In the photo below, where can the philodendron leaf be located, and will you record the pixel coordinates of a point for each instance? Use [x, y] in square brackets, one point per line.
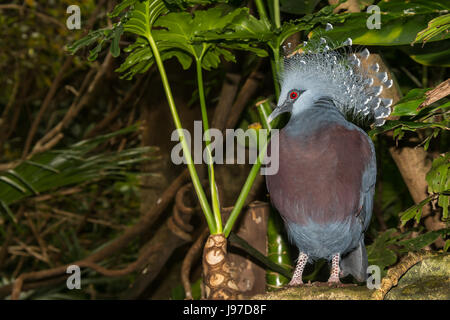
[245, 28]
[143, 15]
[138, 20]
[309, 21]
[115, 38]
[174, 39]
[119, 8]
[86, 41]
[140, 58]
[179, 29]
[100, 36]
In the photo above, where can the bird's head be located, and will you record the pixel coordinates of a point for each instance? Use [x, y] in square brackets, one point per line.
[317, 70]
[293, 101]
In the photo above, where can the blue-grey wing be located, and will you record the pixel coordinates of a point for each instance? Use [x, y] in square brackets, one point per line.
[368, 188]
[355, 262]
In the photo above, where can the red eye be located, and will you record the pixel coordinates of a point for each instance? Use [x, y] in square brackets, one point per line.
[293, 95]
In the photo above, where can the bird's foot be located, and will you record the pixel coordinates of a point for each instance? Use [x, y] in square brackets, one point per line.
[336, 283]
[334, 279]
[297, 277]
[295, 283]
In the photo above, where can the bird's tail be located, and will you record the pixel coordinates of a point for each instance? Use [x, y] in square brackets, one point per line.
[355, 263]
[337, 70]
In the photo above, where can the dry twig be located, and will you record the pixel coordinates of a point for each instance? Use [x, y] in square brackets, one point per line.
[395, 273]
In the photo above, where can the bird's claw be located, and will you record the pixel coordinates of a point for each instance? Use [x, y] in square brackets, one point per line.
[295, 284]
[299, 284]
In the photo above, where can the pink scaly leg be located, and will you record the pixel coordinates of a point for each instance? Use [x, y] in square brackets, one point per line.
[334, 276]
[297, 277]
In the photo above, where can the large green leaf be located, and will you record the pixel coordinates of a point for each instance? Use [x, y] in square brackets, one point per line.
[119, 8]
[140, 19]
[400, 23]
[140, 58]
[246, 28]
[173, 38]
[179, 29]
[143, 15]
[306, 23]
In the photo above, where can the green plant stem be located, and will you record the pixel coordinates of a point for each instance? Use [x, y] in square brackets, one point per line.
[276, 13]
[264, 111]
[212, 180]
[275, 64]
[262, 11]
[275, 61]
[186, 151]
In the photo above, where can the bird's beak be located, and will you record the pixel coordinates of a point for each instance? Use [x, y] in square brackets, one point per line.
[285, 107]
